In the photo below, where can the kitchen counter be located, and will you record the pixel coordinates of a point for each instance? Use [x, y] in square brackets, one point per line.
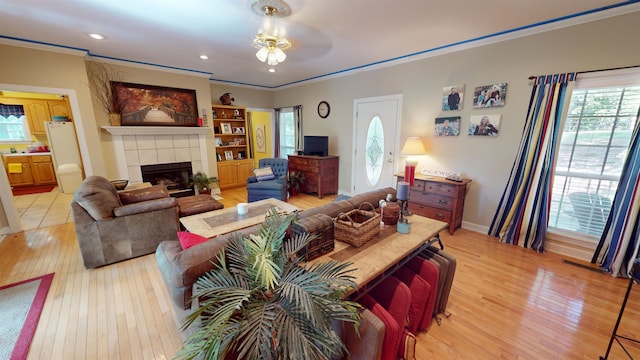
[27, 153]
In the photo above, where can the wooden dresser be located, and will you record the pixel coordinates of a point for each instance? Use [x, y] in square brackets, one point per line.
[438, 198]
[321, 173]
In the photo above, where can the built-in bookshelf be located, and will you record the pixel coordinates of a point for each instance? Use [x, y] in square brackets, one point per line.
[232, 144]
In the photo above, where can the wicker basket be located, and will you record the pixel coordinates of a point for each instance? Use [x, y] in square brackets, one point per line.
[357, 226]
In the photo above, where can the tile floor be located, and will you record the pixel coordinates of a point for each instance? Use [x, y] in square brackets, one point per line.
[44, 209]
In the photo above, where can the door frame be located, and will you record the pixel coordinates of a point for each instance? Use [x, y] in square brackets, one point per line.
[396, 146]
[11, 212]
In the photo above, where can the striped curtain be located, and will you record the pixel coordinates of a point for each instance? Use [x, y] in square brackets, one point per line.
[276, 130]
[523, 212]
[618, 246]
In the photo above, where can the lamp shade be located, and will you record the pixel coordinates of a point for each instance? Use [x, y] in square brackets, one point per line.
[413, 146]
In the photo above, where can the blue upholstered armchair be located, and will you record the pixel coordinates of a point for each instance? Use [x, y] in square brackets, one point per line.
[259, 189]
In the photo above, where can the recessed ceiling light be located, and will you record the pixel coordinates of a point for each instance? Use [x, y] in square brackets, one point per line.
[271, 70]
[97, 36]
[204, 57]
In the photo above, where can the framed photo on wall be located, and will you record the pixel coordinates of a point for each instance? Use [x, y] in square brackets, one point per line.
[144, 105]
[228, 155]
[489, 95]
[447, 126]
[226, 128]
[452, 97]
[484, 125]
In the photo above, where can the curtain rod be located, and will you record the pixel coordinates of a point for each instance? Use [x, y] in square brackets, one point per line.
[591, 71]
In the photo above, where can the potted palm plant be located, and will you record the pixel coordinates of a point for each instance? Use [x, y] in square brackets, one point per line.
[262, 301]
[202, 183]
[295, 181]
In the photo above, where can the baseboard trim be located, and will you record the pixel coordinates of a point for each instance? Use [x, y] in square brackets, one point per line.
[574, 248]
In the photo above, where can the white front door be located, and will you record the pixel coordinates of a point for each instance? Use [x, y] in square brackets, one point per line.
[375, 138]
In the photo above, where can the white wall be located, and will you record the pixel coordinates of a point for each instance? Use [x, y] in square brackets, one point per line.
[487, 161]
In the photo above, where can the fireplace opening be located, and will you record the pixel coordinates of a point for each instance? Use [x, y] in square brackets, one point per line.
[175, 176]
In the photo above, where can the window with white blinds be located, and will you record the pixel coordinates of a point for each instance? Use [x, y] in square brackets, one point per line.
[592, 151]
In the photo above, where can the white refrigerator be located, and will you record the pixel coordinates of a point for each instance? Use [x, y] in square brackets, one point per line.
[65, 153]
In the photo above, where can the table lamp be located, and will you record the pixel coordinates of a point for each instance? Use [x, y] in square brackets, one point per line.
[412, 146]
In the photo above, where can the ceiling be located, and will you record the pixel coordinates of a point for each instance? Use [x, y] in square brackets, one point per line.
[329, 37]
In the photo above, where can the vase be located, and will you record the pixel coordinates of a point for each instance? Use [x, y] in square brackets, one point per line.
[115, 119]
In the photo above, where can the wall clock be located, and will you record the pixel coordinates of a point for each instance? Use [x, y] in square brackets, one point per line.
[323, 109]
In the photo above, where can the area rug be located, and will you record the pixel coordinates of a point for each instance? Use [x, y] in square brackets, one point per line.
[21, 305]
[32, 190]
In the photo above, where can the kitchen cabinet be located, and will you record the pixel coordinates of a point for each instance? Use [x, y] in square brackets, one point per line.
[438, 198]
[59, 108]
[320, 172]
[37, 113]
[42, 170]
[23, 177]
[34, 170]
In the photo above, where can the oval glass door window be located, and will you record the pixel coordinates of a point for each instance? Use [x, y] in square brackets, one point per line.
[374, 147]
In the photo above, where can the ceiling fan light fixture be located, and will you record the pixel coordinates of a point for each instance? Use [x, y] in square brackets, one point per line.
[269, 42]
[280, 55]
[270, 48]
[262, 54]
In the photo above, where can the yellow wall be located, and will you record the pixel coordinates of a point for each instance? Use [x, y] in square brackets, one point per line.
[261, 118]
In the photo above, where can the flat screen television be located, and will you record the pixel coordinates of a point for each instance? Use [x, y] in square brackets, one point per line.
[316, 145]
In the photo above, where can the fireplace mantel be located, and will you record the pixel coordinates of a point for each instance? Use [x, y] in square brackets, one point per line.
[134, 146]
[156, 130]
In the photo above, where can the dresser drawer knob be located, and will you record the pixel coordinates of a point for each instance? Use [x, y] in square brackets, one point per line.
[443, 202]
[438, 215]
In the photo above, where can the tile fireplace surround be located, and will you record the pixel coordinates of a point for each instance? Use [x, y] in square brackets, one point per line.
[134, 146]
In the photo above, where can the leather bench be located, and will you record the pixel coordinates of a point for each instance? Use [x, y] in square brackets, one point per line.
[197, 204]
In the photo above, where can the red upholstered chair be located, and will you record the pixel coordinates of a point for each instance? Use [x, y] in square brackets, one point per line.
[429, 272]
[420, 292]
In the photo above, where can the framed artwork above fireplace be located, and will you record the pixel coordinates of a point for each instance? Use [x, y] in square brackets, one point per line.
[149, 105]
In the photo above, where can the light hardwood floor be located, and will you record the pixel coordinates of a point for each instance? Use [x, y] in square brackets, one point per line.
[506, 302]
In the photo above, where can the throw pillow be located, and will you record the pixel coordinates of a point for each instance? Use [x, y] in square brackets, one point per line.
[264, 174]
[188, 239]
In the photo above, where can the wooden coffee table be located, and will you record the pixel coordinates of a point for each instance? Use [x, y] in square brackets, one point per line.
[212, 223]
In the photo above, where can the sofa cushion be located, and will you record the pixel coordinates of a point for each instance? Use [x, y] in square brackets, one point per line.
[143, 194]
[366, 343]
[264, 174]
[98, 197]
[407, 347]
[420, 292]
[188, 239]
[331, 209]
[373, 197]
[392, 330]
